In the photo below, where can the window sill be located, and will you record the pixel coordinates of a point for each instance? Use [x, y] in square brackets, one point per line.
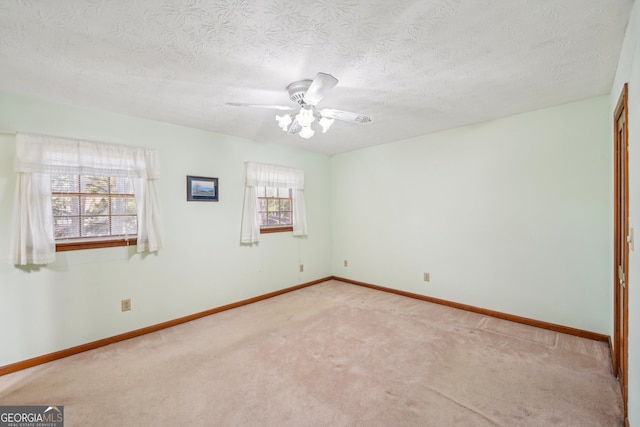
[75, 246]
[276, 230]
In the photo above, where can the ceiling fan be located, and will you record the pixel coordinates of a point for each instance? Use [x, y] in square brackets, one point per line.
[308, 94]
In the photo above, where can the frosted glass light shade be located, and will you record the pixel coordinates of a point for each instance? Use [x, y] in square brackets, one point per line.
[326, 123]
[305, 117]
[306, 132]
[284, 121]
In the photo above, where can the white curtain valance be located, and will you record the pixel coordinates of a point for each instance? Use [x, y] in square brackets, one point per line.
[52, 155]
[39, 156]
[265, 175]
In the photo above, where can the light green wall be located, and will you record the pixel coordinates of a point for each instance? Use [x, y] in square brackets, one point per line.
[77, 299]
[629, 72]
[512, 215]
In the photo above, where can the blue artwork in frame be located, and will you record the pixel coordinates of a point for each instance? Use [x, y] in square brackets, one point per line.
[202, 189]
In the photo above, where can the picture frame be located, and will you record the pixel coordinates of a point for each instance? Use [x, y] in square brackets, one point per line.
[202, 189]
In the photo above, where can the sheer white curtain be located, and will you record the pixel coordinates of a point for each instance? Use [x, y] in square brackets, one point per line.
[39, 156]
[265, 175]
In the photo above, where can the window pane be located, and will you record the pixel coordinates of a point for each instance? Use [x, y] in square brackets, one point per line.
[64, 184]
[95, 205]
[285, 218]
[121, 185]
[123, 206]
[65, 205]
[273, 205]
[66, 228]
[285, 205]
[262, 205]
[283, 193]
[260, 191]
[263, 219]
[121, 225]
[271, 192]
[94, 184]
[95, 226]
[273, 218]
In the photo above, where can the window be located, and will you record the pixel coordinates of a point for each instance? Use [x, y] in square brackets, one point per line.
[92, 210]
[275, 209]
[75, 194]
[273, 201]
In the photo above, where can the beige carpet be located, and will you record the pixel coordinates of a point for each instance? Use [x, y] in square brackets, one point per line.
[333, 354]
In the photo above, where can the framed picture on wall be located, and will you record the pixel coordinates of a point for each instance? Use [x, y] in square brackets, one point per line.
[202, 189]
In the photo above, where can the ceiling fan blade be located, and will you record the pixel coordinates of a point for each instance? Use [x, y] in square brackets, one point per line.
[347, 116]
[319, 87]
[270, 107]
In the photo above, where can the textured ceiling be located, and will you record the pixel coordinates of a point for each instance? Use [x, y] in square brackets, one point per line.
[416, 66]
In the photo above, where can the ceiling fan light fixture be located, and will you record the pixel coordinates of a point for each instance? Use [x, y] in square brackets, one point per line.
[326, 123]
[305, 117]
[306, 132]
[284, 121]
[307, 94]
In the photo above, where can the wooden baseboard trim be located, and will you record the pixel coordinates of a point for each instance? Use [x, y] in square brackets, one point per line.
[513, 318]
[611, 356]
[18, 366]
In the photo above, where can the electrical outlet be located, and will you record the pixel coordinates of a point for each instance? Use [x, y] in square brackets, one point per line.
[427, 277]
[301, 268]
[126, 304]
[346, 263]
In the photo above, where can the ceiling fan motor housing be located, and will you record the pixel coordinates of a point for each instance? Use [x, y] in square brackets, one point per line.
[297, 90]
